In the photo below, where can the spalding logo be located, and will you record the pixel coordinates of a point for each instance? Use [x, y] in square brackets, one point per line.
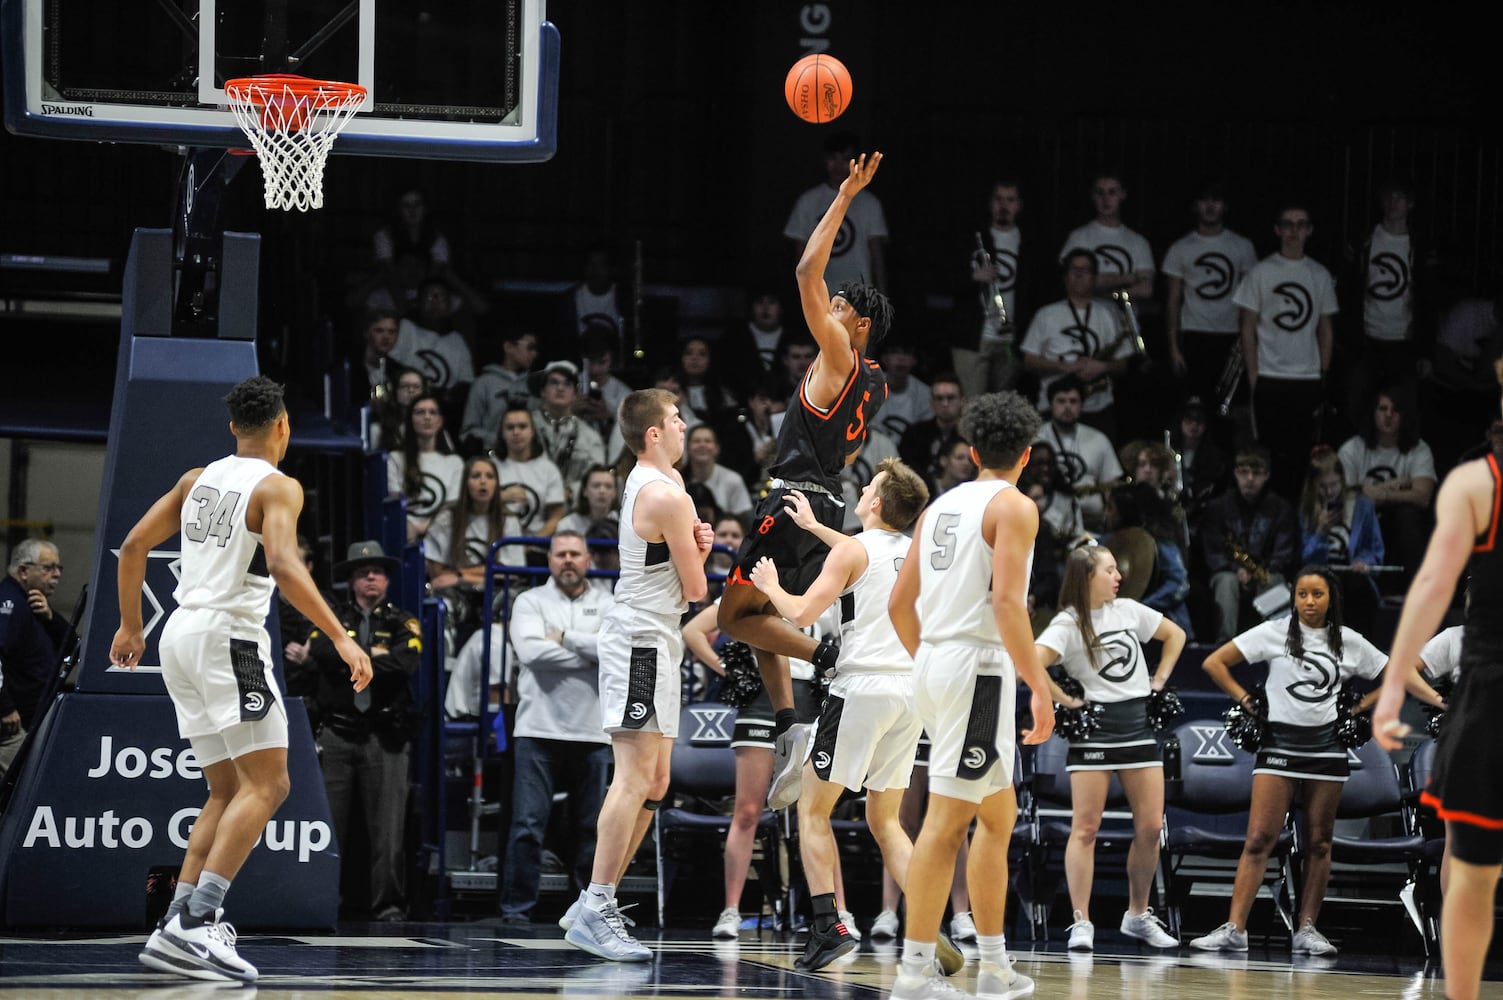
[254, 701]
[637, 710]
[821, 761]
[974, 757]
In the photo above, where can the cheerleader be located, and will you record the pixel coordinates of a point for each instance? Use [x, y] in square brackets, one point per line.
[1309, 655]
[1098, 639]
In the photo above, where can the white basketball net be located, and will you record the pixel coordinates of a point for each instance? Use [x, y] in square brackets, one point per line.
[292, 123]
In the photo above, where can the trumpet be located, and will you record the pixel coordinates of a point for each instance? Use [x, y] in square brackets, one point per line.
[991, 295]
[1231, 377]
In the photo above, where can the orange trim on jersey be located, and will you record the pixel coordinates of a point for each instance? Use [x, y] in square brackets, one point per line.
[855, 370]
[1492, 527]
[1457, 815]
[736, 577]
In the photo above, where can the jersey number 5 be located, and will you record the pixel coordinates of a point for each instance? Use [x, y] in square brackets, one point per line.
[213, 519]
[945, 540]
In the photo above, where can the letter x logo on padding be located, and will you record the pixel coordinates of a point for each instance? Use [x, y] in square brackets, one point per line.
[712, 724]
[1211, 745]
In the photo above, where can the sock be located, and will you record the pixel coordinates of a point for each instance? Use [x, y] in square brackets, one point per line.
[179, 902]
[992, 948]
[207, 898]
[825, 655]
[825, 912]
[918, 959]
[599, 895]
[784, 719]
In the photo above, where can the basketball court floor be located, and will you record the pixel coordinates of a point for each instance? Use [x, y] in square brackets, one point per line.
[477, 958]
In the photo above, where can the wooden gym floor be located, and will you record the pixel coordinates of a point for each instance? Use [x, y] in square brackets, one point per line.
[460, 959]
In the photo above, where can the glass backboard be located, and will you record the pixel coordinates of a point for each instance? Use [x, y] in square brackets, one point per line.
[457, 81]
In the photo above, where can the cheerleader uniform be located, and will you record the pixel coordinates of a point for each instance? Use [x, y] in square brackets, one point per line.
[1115, 676]
[1300, 739]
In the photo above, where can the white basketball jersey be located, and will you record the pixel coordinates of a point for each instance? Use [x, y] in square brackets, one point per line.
[224, 565]
[649, 580]
[868, 642]
[955, 567]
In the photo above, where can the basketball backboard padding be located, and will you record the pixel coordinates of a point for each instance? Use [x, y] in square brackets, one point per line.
[455, 82]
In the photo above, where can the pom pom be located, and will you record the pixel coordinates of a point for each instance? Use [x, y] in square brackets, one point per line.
[1435, 717]
[742, 681]
[1163, 708]
[1075, 724]
[1246, 730]
[1351, 730]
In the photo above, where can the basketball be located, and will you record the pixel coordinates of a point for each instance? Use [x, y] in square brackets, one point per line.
[818, 88]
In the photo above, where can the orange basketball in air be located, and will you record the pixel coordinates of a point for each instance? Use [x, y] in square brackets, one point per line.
[818, 88]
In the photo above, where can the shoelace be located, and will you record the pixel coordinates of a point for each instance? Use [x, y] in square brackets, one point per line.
[1152, 918]
[224, 932]
[618, 921]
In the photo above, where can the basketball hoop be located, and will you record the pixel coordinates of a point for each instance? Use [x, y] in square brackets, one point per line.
[292, 122]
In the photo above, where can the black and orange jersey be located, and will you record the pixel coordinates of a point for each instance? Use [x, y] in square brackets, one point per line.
[815, 443]
[1482, 637]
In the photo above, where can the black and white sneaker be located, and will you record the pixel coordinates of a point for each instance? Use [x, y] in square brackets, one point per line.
[205, 951]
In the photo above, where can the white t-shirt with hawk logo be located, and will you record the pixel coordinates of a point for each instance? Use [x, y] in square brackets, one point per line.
[1117, 671]
[1303, 692]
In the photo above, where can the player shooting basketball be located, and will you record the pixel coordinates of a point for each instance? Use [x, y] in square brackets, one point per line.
[823, 430]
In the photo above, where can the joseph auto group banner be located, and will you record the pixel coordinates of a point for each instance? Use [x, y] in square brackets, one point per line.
[109, 799]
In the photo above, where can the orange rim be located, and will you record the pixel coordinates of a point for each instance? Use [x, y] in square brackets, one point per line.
[322, 93]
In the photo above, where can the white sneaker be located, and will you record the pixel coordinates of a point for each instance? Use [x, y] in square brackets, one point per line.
[603, 933]
[1148, 928]
[206, 951]
[996, 983]
[885, 927]
[963, 928]
[1224, 938]
[729, 924]
[1309, 941]
[154, 955]
[1082, 934]
[849, 919]
[572, 913]
[932, 987]
[788, 766]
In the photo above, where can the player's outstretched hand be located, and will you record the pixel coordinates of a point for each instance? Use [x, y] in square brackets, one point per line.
[1043, 719]
[360, 664]
[764, 574]
[799, 508]
[704, 536]
[863, 169]
[127, 647]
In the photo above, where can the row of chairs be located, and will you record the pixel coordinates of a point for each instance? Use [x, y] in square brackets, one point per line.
[1203, 833]
[1396, 854]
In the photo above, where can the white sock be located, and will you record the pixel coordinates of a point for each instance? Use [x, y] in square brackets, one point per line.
[992, 948]
[599, 895]
[918, 959]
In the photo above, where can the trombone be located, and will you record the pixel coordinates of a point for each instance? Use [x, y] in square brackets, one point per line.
[991, 295]
[1231, 377]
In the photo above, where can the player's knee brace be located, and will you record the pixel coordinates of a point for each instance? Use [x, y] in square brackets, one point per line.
[652, 805]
